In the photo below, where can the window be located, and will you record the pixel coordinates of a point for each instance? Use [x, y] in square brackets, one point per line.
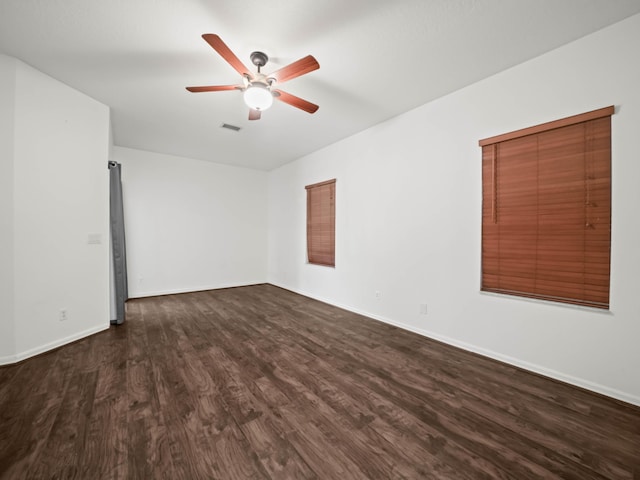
[546, 210]
[321, 223]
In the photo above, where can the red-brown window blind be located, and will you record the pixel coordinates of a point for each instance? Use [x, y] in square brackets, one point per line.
[321, 223]
[546, 210]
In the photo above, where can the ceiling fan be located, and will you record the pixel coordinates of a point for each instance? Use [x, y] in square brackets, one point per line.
[258, 87]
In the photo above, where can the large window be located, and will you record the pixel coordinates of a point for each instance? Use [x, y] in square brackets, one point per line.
[321, 223]
[546, 210]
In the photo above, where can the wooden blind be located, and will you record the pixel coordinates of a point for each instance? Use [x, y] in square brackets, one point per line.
[546, 211]
[321, 223]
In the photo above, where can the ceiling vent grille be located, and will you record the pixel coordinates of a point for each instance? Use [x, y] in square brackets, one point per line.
[230, 127]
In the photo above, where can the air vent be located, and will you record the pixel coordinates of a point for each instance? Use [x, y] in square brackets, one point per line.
[230, 127]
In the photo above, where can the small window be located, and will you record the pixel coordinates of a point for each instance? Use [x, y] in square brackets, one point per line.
[321, 223]
[546, 210]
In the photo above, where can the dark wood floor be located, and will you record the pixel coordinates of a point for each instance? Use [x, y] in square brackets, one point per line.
[258, 382]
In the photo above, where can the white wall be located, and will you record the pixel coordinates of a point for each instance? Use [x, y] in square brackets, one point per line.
[60, 197]
[409, 218]
[7, 112]
[191, 225]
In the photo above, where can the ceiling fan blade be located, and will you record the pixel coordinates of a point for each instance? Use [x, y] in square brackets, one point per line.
[225, 52]
[254, 114]
[295, 69]
[214, 88]
[295, 101]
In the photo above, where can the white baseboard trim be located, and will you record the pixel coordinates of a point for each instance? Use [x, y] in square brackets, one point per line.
[7, 360]
[175, 291]
[532, 367]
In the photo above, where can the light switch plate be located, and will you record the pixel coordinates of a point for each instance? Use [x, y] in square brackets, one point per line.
[94, 239]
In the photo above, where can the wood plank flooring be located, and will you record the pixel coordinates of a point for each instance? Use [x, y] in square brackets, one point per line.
[260, 383]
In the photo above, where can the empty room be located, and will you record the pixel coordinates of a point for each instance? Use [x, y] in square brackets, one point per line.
[319, 239]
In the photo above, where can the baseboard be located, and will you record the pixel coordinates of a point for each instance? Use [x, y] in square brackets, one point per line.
[175, 291]
[10, 359]
[531, 367]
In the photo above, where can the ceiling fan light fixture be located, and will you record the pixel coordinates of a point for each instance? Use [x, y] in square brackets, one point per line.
[258, 97]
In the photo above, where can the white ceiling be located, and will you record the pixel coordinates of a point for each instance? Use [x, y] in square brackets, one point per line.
[378, 59]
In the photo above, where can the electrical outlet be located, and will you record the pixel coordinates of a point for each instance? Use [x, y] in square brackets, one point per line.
[63, 315]
[378, 294]
[423, 309]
